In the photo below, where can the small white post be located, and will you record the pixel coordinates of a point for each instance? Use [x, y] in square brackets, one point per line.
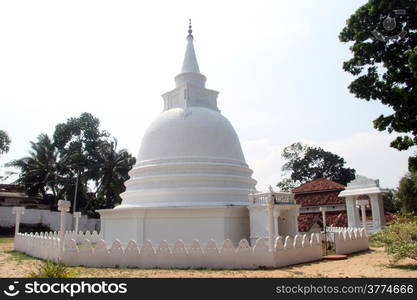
[377, 207]
[63, 207]
[296, 214]
[363, 204]
[18, 211]
[271, 229]
[77, 216]
[323, 213]
[251, 196]
[276, 215]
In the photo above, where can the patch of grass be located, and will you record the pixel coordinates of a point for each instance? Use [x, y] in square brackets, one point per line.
[19, 256]
[408, 267]
[375, 242]
[50, 269]
[204, 270]
[298, 273]
[330, 248]
[6, 240]
[198, 270]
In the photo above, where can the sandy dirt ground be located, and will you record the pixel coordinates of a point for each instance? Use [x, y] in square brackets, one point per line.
[374, 263]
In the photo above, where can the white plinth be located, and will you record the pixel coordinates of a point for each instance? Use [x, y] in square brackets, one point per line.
[173, 223]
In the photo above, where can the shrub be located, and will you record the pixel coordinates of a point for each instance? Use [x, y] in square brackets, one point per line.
[49, 269]
[400, 238]
[407, 193]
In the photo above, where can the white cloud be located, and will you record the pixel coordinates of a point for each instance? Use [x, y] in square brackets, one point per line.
[367, 152]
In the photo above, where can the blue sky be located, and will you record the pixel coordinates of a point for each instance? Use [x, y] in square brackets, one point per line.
[277, 65]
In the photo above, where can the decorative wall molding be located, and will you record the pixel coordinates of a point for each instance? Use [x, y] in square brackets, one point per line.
[350, 240]
[88, 249]
[93, 237]
[288, 251]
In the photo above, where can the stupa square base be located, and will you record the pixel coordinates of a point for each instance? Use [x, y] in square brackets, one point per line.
[175, 223]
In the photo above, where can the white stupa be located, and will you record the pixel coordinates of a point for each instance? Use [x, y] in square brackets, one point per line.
[191, 180]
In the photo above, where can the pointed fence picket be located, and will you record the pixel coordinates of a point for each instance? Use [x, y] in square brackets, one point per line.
[87, 249]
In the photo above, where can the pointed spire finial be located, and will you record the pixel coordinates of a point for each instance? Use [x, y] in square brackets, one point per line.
[190, 64]
[190, 29]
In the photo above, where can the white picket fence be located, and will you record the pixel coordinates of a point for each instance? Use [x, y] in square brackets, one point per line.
[288, 251]
[335, 229]
[88, 249]
[45, 246]
[93, 237]
[351, 240]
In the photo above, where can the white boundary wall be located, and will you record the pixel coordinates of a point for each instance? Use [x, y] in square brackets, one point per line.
[46, 217]
[335, 229]
[350, 240]
[93, 237]
[288, 251]
[43, 245]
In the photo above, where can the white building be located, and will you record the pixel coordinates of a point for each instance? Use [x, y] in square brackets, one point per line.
[365, 192]
[272, 214]
[191, 180]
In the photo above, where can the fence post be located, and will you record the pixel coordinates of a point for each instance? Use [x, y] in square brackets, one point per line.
[323, 211]
[271, 229]
[18, 211]
[77, 216]
[363, 204]
[63, 207]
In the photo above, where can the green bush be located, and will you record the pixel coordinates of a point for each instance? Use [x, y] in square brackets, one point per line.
[407, 193]
[49, 269]
[399, 238]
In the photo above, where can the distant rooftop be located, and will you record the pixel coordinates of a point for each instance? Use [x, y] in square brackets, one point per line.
[318, 185]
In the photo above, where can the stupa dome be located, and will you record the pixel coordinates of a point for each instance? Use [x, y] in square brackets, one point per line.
[192, 132]
[190, 155]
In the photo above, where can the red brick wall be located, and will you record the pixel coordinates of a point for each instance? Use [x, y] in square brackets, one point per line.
[317, 199]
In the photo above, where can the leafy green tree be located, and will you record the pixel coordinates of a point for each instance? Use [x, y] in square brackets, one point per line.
[287, 184]
[292, 153]
[305, 163]
[391, 202]
[81, 152]
[78, 141]
[114, 166]
[4, 142]
[384, 46]
[39, 172]
[407, 193]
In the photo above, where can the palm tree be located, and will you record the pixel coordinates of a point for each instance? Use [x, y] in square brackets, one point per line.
[113, 169]
[4, 142]
[46, 170]
[39, 171]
